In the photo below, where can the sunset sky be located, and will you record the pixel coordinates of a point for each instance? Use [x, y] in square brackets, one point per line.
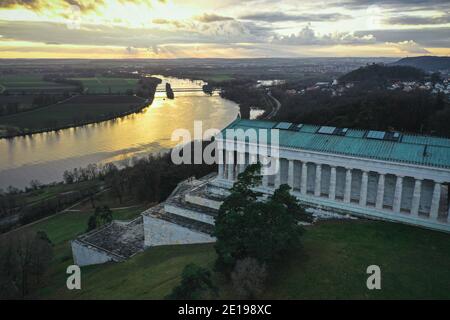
[222, 29]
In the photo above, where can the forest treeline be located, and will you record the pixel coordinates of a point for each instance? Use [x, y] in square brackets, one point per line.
[381, 73]
[418, 111]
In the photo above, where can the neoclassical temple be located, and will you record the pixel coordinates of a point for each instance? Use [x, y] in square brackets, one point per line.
[378, 175]
[384, 175]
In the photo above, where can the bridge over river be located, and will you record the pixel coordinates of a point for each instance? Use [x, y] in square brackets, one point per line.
[184, 89]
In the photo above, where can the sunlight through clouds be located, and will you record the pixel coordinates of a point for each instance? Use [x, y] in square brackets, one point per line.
[174, 28]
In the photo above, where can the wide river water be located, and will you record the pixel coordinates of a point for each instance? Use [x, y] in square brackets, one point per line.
[45, 157]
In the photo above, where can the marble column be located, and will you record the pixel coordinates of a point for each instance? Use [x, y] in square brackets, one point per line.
[277, 180]
[416, 197]
[265, 177]
[448, 203]
[317, 186]
[304, 178]
[332, 191]
[434, 210]
[348, 185]
[380, 191]
[241, 162]
[398, 194]
[230, 165]
[220, 163]
[253, 158]
[363, 191]
[290, 178]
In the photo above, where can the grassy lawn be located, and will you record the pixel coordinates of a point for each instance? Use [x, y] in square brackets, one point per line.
[101, 85]
[30, 84]
[80, 108]
[108, 199]
[63, 228]
[415, 264]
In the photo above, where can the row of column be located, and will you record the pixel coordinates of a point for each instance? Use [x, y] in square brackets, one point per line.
[232, 171]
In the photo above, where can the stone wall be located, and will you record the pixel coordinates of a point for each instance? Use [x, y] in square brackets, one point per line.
[189, 214]
[159, 232]
[85, 255]
[204, 202]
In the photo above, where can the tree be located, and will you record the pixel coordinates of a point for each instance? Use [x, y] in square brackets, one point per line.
[249, 227]
[248, 278]
[195, 283]
[24, 259]
[35, 184]
[435, 77]
[68, 177]
[101, 217]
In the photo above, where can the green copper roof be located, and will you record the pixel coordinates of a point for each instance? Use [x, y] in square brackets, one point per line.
[407, 148]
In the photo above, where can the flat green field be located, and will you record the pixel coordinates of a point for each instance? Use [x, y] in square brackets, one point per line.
[217, 77]
[415, 264]
[101, 85]
[30, 84]
[74, 110]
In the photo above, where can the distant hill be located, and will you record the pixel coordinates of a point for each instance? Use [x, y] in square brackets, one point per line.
[379, 73]
[426, 63]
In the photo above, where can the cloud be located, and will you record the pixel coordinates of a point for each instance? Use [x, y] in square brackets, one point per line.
[131, 50]
[409, 47]
[418, 20]
[307, 36]
[176, 23]
[100, 35]
[207, 18]
[427, 37]
[283, 17]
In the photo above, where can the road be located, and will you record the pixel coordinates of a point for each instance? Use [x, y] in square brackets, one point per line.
[275, 110]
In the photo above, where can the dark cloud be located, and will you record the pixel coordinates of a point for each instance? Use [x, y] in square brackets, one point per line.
[207, 18]
[86, 6]
[30, 4]
[427, 37]
[418, 20]
[403, 5]
[83, 5]
[282, 17]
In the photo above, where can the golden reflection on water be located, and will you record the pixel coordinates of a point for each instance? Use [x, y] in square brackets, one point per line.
[45, 156]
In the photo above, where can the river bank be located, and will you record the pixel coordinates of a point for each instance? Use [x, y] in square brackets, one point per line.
[45, 156]
[28, 132]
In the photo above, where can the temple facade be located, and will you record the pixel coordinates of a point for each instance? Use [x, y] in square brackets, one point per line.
[383, 175]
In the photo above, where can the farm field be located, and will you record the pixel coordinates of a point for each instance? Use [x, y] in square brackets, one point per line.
[27, 102]
[101, 85]
[75, 110]
[29, 84]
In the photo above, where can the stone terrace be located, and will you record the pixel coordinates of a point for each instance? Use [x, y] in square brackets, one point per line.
[121, 239]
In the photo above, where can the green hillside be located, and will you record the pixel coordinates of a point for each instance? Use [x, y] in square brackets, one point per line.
[414, 264]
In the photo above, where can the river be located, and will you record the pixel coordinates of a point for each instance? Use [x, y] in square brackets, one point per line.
[45, 157]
